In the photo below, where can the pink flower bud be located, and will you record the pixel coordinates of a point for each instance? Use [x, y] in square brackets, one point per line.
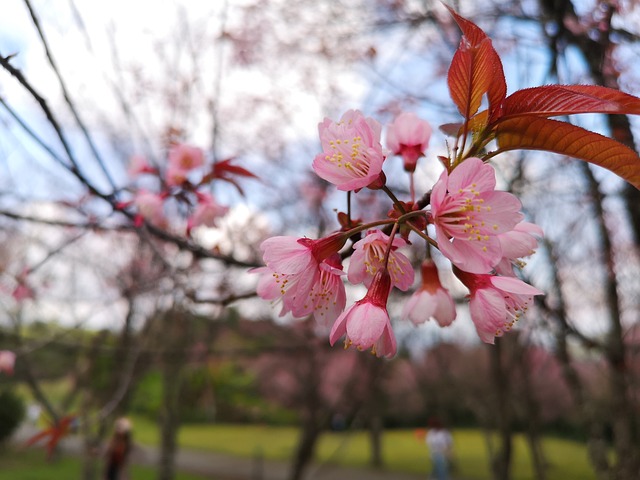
[366, 323]
[431, 300]
[408, 136]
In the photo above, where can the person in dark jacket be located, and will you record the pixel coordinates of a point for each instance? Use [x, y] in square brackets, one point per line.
[118, 450]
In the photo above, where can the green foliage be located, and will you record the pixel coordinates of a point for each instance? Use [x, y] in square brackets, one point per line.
[235, 393]
[11, 413]
[222, 391]
[147, 399]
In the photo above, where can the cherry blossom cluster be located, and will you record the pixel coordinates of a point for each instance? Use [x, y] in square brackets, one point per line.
[479, 229]
[182, 181]
[7, 361]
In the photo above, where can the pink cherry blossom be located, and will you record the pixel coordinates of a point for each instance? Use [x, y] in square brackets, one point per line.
[150, 207]
[182, 159]
[516, 244]
[351, 155]
[496, 303]
[431, 300]
[139, 165]
[175, 177]
[326, 297]
[22, 292]
[305, 274]
[408, 136]
[185, 157]
[7, 361]
[366, 323]
[469, 214]
[368, 258]
[206, 212]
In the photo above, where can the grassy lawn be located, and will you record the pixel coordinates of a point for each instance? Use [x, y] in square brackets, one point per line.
[31, 464]
[402, 451]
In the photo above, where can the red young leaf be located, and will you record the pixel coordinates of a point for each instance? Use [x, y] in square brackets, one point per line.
[475, 70]
[224, 167]
[535, 133]
[554, 100]
[55, 433]
[225, 170]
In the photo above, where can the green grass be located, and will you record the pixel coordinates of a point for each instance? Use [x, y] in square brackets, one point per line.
[32, 464]
[402, 451]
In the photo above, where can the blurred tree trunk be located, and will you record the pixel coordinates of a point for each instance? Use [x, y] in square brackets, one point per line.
[501, 459]
[92, 428]
[175, 335]
[532, 412]
[375, 407]
[92, 438]
[589, 418]
[305, 450]
[623, 416]
[597, 49]
[314, 419]
[376, 430]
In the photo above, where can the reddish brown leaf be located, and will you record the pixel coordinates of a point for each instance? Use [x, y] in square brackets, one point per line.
[451, 129]
[554, 100]
[54, 433]
[468, 77]
[475, 70]
[226, 171]
[477, 123]
[474, 34]
[535, 133]
[223, 168]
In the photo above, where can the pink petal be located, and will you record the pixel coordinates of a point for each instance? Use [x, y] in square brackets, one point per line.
[488, 312]
[340, 326]
[514, 285]
[471, 256]
[386, 345]
[420, 307]
[401, 271]
[285, 255]
[445, 312]
[366, 324]
[438, 193]
[472, 171]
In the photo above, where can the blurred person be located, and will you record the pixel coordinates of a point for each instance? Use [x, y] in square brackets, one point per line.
[118, 450]
[440, 444]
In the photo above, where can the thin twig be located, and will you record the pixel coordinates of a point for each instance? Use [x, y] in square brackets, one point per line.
[67, 96]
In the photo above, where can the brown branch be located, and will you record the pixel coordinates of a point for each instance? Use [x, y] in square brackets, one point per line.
[51, 118]
[224, 301]
[67, 96]
[197, 250]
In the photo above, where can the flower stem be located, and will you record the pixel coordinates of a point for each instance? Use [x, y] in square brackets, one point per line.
[390, 244]
[395, 200]
[423, 235]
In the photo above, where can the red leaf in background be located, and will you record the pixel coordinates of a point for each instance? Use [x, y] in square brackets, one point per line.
[225, 170]
[554, 100]
[535, 133]
[476, 70]
[224, 167]
[54, 433]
